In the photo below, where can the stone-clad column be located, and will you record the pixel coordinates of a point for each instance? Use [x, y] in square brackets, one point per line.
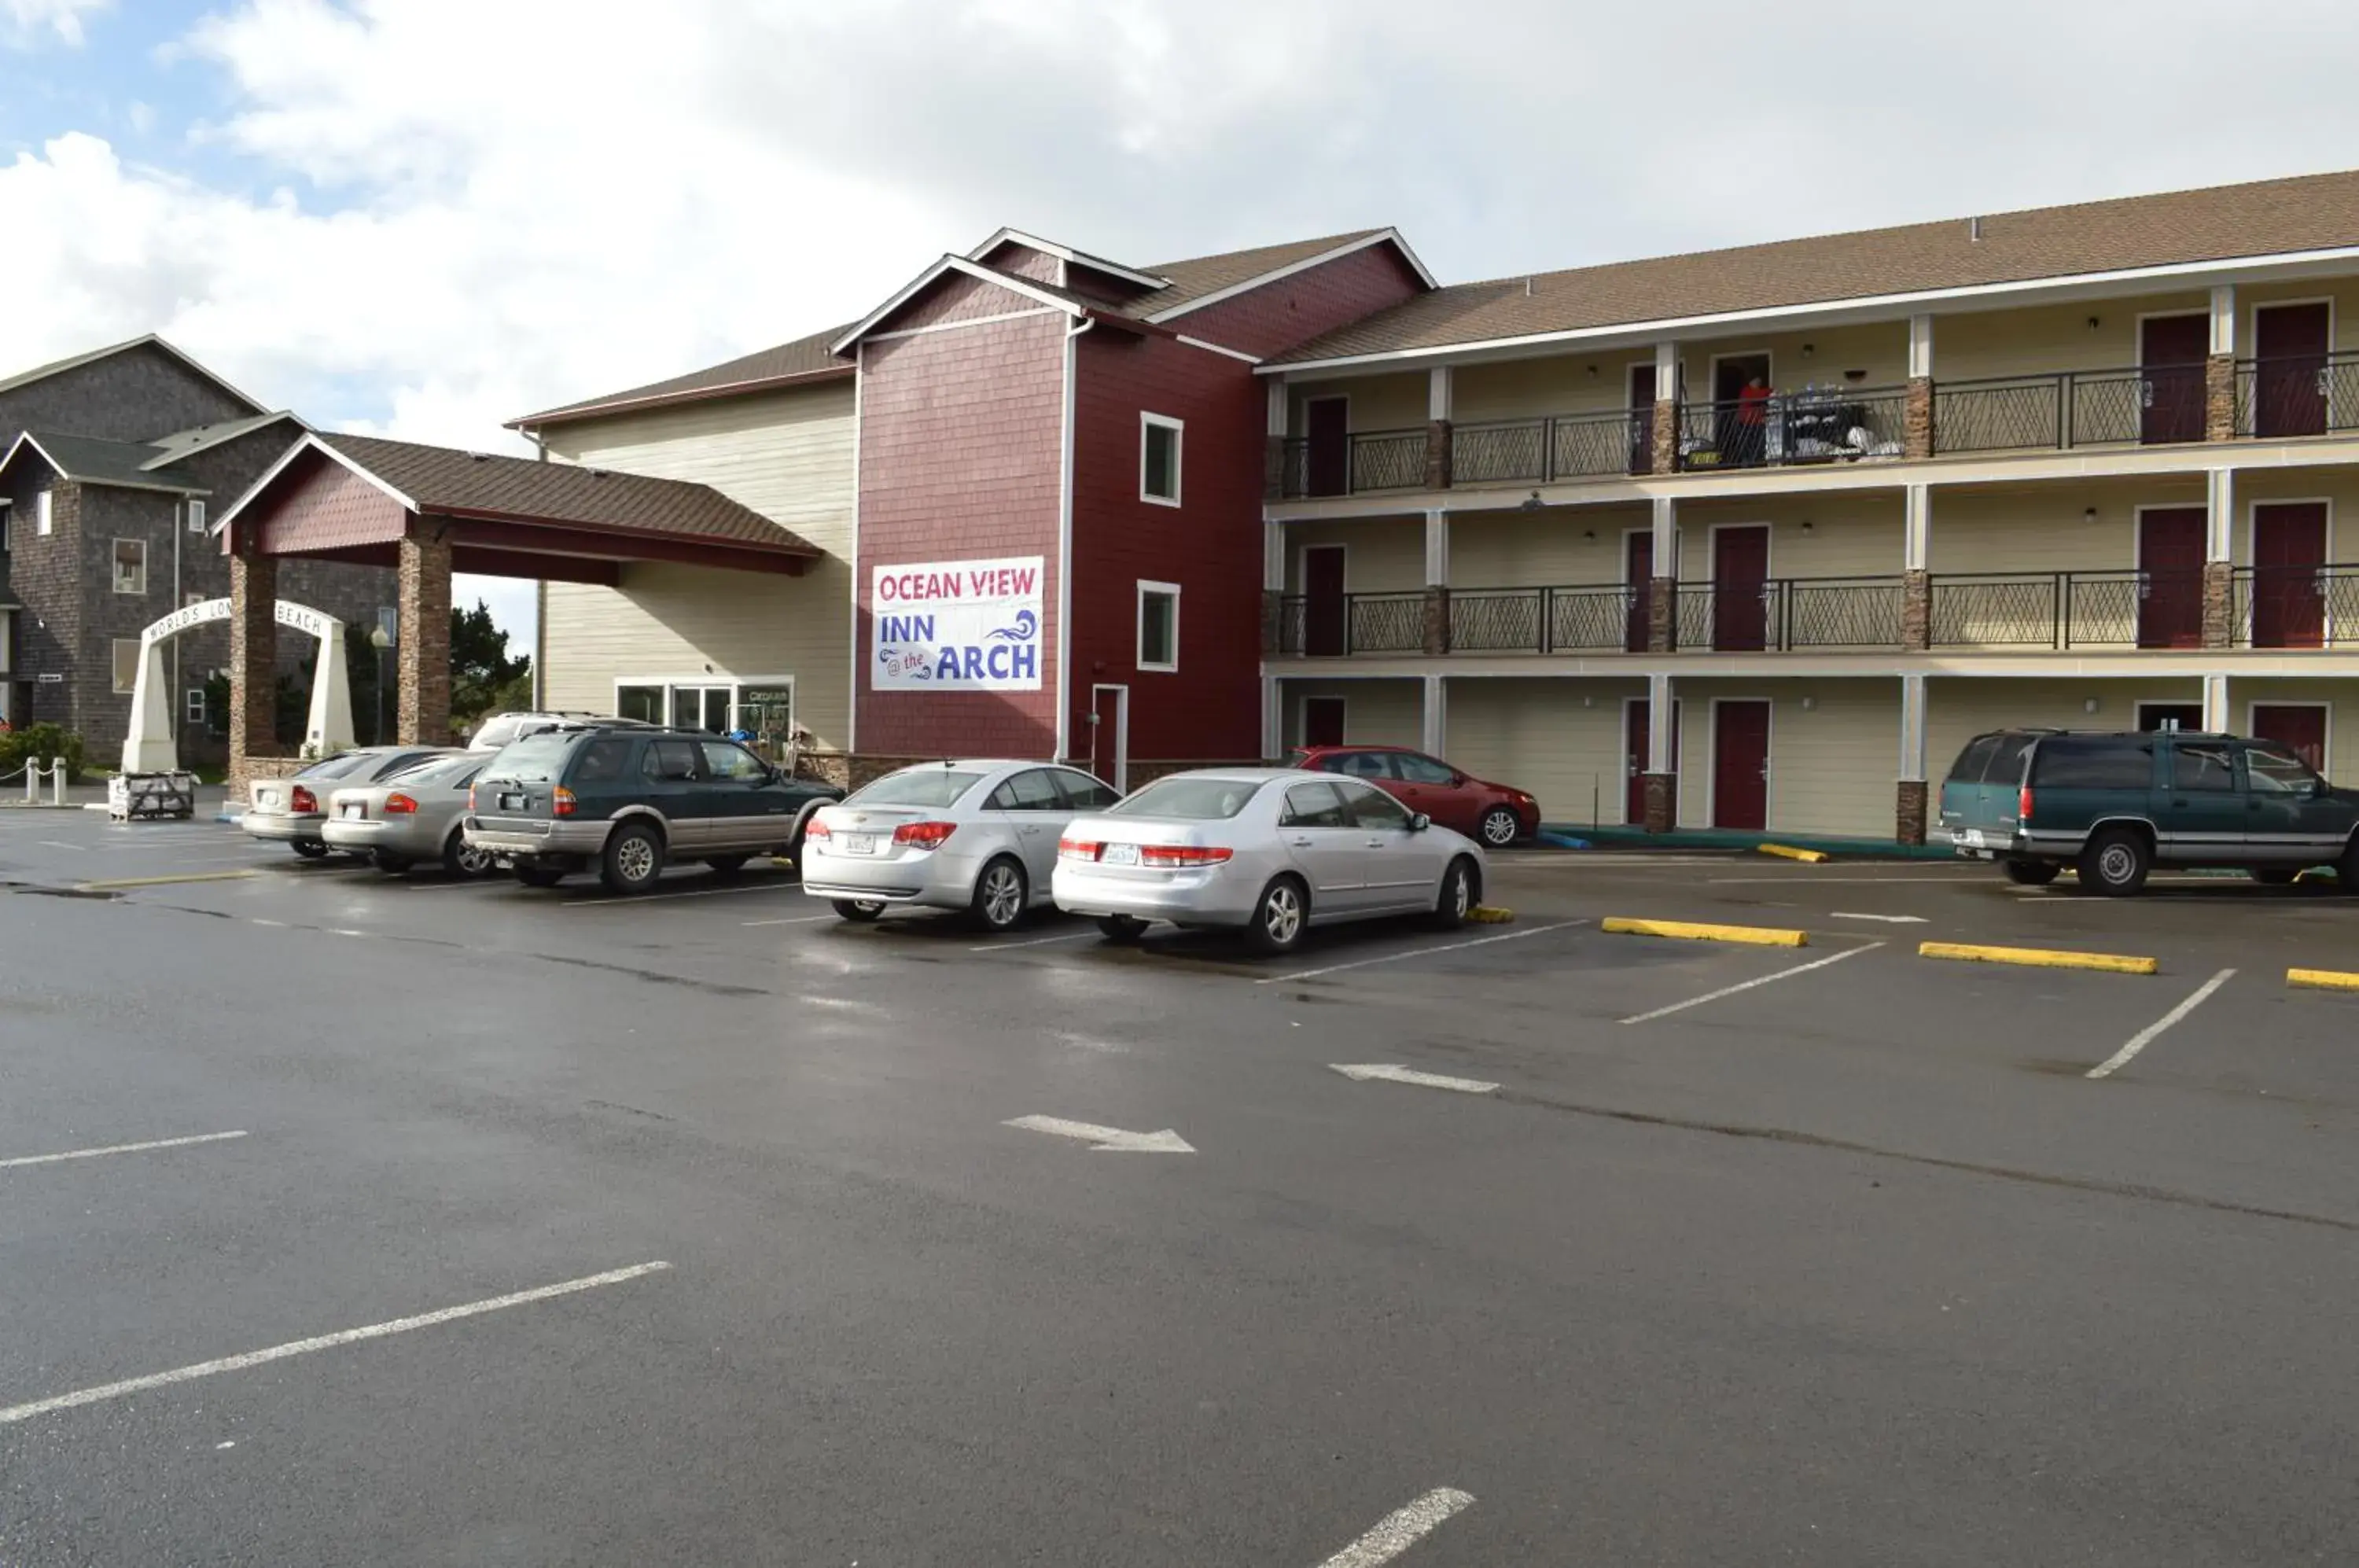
[253, 659]
[424, 680]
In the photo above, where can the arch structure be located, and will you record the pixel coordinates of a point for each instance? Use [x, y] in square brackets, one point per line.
[151, 748]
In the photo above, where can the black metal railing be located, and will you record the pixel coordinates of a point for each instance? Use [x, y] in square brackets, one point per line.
[2070, 407]
[1338, 624]
[2296, 606]
[1581, 618]
[2067, 609]
[2304, 394]
[1558, 446]
[1294, 469]
[1815, 425]
[1789, 612]
[1387, 460]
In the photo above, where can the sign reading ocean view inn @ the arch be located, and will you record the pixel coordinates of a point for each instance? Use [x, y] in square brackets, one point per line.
[957, 625]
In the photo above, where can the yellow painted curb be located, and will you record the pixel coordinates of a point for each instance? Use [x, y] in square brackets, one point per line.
[1490, 915]
[2322, 979]
[1788, 853]
[2315, 876]
[163, 881]
[1686, 931]
[2039, 957]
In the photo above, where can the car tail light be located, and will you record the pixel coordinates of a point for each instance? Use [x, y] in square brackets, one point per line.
[1078, 848]
[925, 835]
[1182, 856]
[304, 801]
[2023, 805]
[561, 802]
[399, 805]
[816, 829]
[470, 797]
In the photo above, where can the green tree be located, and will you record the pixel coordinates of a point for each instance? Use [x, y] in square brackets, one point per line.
[483, 677]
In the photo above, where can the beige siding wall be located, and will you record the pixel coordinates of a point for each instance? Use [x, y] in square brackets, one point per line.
[1375, 712]
[2049, 337]
[1832, 768]
[1523, 388]
[2341, 699]
[1879, 349]
[1850, 535]
[2048, 529]
[1393, 402]
[1383, 555]
[1562, 740]
[788, 456]
[1519, 550]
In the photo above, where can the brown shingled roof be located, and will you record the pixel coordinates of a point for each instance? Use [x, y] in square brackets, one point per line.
[2270, 217]
[1202, 274]
[447, 480]
[806, 359]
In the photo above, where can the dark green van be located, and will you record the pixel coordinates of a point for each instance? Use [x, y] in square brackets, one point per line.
[2114, 807]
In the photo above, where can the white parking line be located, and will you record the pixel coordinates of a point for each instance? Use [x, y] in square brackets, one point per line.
[791, 920]
[322, 1341]
[1749, 985]
[118, 1149]
[1805, 874]
[629, 898]
[1402, 1529]
[1419, 952]
[1036, 942]
[55, 844]
[2154, 1030]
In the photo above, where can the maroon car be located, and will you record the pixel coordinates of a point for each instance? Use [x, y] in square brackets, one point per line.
[1491, 814]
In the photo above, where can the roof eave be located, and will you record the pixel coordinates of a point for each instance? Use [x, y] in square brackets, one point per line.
[917, 285]
[1066, 252]
[1263, 279]
[575, 413]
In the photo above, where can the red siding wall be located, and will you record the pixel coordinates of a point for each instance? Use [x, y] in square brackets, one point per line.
[957, 298]
[1274, 318]
[328, 507]
[1209, 545]
[961, 453]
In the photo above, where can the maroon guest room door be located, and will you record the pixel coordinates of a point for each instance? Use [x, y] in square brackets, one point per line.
[1327, 460]
[1638, 575]
[1739, 764]
[1740, 574]
[2171, 351]
[2288, 586]
[2171, 589]
[1322, 599]
[2289, 346]
[1642, 418]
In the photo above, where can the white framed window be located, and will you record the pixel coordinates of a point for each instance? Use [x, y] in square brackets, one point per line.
[130, 566]
[196, 516]
[126, 665]
[196, 704]
[1158, 626]
[44, 519]
[1158, 459]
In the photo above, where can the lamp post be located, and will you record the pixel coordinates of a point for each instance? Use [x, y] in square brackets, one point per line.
[380, 641]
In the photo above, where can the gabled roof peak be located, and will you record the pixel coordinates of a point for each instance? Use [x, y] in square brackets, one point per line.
[1068, 254]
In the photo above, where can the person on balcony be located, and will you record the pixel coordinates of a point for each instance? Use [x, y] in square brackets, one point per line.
[1752, 422]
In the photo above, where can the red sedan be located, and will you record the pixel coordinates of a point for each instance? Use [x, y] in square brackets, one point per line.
[1493, 814]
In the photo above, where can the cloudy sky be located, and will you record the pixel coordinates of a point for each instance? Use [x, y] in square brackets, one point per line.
[423, 217]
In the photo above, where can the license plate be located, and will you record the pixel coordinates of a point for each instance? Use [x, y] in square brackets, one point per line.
[511, 802]
[267, 797]
[859, 843]
[1119, 855]
[352, 812]
[1970, 837]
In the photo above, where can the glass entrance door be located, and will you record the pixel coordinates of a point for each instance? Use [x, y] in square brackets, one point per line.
[701, 708]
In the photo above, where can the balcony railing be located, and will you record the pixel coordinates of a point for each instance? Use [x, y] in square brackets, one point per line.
[2306, 395]
[1352, 622]
[2068, 609]
[1790, 613]
[2151, 406]
[1363, 462]
[1560, 446]
[1578, 619]
[2296, 606]
[1815, 425]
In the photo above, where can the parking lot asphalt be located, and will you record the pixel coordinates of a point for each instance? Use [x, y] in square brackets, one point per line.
[1657, 1251]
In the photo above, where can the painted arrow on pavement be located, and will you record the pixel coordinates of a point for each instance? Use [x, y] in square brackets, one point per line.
[1393, 1072]
[1107, 1139]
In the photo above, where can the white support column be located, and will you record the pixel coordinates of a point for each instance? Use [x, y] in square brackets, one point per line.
[1666, 537]
[1438, 392]
[1912, 729]
[2215, 704]
[2220, 515]
[1920, 346]
[1436, 549]
[1917, 531]
[1272, 739]
[1666, 371]
[1279, 407]
[1273, 557]
[1435, 734]
[2224, 318]
[1660, 719]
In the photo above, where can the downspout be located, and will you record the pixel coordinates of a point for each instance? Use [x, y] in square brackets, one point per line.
[179, 596]
[539, 608]
[1074, 330]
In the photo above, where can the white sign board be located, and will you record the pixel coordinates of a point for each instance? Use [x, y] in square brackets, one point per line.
[956, 626]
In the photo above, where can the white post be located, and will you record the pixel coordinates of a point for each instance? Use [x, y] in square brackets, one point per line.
[1917, 535]
[1435, 733]
[2224, 318]
[2220, 515]
[148, 748]
[1661, 718]
[1920, 347]
[1278, 402]
[1273, 557]
[1437, 550]
[2215, 704]
[1273, 740]
[329, 729]
[1666, 537]
[1438, 392]
[1912, 729]
[1666, 371]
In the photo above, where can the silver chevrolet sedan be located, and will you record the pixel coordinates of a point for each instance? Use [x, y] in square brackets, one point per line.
[1270, 851]
[978, 837]
[411, 819]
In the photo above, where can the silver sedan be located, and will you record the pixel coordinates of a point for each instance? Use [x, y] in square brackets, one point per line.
[410, 819]
[979, 837]
[292, 810]
[1270, 851]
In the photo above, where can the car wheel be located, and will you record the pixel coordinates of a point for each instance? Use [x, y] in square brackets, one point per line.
[1280, 917]
[2115, 862]
[862, 911]
[2030, 873]
[1459, 894]
[634, 859]
[391, 865]
[311, 849]
[1500, 827]
[461, 858]
[728, 864]
[1000, 896]
[2273, 876]
[1122, 929]
[540, 876]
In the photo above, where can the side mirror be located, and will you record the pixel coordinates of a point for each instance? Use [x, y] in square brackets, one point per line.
[1458, 781]
[1418, 821]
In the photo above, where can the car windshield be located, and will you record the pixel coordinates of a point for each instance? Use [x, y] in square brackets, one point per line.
[498, 732]
[535, 756]
[440, 772]
[1195, 800]
[335, 767]
[917, 787]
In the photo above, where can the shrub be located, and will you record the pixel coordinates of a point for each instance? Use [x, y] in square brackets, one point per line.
[40, 742]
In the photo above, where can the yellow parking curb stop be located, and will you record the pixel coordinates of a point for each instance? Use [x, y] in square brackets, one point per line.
[1688, 931]
[2322, 979]
[2039, 957]
[1788, 852]
[1490, 915]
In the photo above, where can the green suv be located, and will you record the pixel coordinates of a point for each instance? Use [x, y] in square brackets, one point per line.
[2114, 807]
[627, 798]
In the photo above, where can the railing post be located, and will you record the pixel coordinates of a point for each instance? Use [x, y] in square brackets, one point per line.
[2064, 432]
[1784, 589]
[1547, 621]
[1547, 449]
[2063, 610]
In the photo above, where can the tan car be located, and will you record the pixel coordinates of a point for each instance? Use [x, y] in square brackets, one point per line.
[291, 810]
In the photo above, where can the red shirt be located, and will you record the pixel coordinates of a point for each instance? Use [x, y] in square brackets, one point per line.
[1751, 404]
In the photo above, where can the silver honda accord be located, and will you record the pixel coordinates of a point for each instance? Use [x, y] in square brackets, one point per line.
[1270, 851]
[979, 837]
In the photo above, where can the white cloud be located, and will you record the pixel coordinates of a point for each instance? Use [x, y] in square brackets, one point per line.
[23, 22]
[431, 216]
